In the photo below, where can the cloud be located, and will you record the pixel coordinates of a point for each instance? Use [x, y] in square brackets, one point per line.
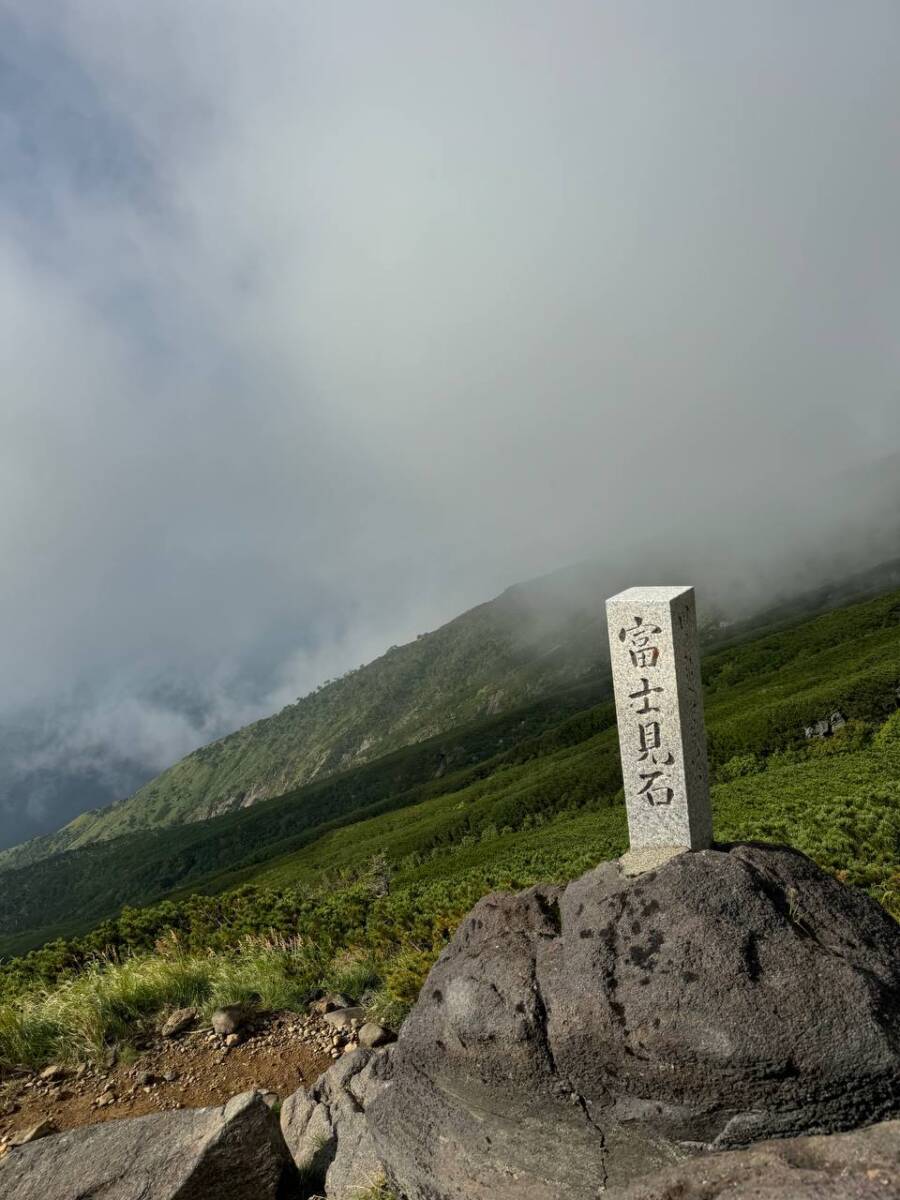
[324, 322]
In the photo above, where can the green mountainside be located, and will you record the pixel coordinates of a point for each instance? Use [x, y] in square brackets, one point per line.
[70, 891]
[537, 640]
[837, 798]
[492, 780]
[531, 641]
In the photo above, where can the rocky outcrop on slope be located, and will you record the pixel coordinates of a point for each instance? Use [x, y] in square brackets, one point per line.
[864, 1165]
[235, 1152]
[571, 1039]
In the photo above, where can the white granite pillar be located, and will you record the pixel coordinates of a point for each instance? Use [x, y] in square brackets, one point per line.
[659, 704]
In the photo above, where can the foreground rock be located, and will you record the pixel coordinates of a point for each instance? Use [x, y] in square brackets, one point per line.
[845, 1166]
[573, 1039]
[326, 1129]
[231, 1153]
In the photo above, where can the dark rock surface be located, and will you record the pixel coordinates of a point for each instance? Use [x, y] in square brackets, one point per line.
[573, 1039]
[235, 1152]
[864, 1165]
[326, 1128]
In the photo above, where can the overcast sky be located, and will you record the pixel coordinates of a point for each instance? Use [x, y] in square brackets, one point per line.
[324, 321]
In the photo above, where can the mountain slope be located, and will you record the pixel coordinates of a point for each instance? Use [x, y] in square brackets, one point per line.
[68, 891]
[760, 693]
[532, 641]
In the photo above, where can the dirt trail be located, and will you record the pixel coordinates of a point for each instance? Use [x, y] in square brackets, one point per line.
[278, 1053]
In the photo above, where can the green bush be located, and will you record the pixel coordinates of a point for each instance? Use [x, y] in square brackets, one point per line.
[740, 764]
[888, 736]
[108, 1001]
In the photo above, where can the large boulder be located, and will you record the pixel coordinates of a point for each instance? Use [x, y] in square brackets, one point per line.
[864, 1165]
[326, 1129]
[569, 1040]
[235, 1152]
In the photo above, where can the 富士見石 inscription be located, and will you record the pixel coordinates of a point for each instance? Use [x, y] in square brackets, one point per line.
[659, 706]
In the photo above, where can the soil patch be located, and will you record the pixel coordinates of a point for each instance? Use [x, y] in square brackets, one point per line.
[278, 1053]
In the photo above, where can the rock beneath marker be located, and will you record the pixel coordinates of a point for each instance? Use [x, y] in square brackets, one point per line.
[327, 1131]
[569, 1040]
[235, 1152]
[864, 1165]
[178, 1021]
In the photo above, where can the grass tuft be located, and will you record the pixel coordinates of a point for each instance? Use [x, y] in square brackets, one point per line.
[110, 1002]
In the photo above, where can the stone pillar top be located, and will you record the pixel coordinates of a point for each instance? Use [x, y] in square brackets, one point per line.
[650, 595]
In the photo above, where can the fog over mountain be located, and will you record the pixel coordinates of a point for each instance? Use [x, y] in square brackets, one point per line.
[323, 323]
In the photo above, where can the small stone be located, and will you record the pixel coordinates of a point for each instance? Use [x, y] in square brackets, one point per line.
[146, 1078]
[331, 1002]
[372, 1035]
[178, 1021]
[343, 1018]
[270, 1098]
[233, 1039]
[54, 1072]
[42, 1129]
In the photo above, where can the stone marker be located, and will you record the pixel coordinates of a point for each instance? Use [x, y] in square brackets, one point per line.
[659, 705]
